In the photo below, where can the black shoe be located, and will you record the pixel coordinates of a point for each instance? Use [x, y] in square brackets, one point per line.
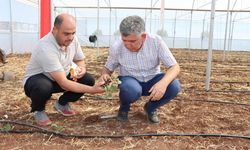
[122, 116]
[152, 116]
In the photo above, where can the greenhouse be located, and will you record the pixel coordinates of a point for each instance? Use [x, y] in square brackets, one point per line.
[179, 82]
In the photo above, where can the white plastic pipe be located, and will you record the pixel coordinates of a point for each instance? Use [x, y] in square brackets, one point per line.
[210, 46]
[225, 37]
[162, 14]
[11, 28]
[97, 28]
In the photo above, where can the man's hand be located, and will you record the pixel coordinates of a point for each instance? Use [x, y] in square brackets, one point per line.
[77, 72]
[80, 72]
[97, 88]
[105, 79]
[157, 91]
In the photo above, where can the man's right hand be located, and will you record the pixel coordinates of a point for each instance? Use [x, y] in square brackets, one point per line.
[105, 79]
[97, 88]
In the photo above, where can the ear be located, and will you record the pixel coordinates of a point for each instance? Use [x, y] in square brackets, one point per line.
[143, 35]
[54, 29]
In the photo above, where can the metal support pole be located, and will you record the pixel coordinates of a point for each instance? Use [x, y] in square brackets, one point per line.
[202, 33]
[174, 28]
[210, 46]
[11, 28]
[150, 25]
[162, 14]
[97, 42]
[190, 29]
[229, 35]
[110, 26]
[225, 37]
[230, 28]
[203, 26]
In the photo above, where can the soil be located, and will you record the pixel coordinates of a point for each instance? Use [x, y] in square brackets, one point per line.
[223, 110]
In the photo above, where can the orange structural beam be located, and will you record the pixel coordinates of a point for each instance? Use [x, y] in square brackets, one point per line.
[45, 17]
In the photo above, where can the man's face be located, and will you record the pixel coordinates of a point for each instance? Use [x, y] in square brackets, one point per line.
[133, 42]
[64, 34]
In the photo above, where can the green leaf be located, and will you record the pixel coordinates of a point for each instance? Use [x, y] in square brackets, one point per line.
[7, 127]
[111, 87]
[57, 127]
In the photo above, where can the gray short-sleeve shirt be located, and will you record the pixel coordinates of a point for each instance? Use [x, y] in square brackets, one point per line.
[47, 57]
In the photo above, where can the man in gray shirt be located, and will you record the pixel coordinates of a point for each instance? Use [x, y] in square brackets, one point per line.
[49, 71]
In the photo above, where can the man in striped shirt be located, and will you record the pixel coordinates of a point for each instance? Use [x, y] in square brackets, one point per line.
[138, 55]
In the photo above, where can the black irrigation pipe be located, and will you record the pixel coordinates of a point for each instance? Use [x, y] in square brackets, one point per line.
[220, 91]
[205, 60]
[203, 73]
[221, 82]
[213, 69]
[230, 82]
[215, 101]
[51, 132]
[178, 99]
[228, 91]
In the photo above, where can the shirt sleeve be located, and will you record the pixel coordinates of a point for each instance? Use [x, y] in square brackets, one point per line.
[112, 61]
[79, 53]
[165, 54]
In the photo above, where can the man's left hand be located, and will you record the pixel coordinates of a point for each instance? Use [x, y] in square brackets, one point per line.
[80, 72]
[157, 91]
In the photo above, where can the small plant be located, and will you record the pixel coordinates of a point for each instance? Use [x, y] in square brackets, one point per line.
[7, 127]
[57, 127]
[111, 87]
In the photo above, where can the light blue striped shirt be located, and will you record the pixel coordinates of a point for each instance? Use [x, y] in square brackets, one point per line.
[144, 64]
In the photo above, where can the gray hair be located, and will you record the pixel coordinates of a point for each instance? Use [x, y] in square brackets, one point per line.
[132, 24]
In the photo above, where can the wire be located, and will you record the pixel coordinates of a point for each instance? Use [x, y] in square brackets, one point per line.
[47, 131]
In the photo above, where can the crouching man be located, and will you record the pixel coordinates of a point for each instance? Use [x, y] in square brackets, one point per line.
[48, 71]
[138, 56]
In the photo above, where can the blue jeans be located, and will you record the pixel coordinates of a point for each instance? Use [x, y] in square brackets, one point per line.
[131, 90]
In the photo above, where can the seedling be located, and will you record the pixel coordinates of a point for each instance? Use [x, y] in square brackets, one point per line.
[111, 87]
[7, 127]
[57, 127]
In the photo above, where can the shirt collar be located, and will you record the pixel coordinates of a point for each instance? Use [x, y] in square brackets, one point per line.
[54, 41]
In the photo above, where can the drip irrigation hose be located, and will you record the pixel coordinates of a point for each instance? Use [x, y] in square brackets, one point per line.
[49, 132]
[176, 99]
[215, 101]
[219, 91]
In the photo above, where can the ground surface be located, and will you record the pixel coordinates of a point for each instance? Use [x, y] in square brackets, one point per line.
[223, 110]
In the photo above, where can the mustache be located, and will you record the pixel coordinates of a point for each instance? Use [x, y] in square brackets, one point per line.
[69, 40]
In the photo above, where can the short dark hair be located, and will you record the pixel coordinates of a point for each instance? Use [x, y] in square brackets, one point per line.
[58, 21]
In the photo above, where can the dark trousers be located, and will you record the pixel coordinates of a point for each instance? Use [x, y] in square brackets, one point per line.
[40, 88]
[131, 90]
